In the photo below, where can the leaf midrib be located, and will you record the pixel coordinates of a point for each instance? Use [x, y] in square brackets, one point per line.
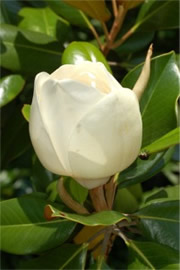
[32, 48]
[158, 218]
[34, 224]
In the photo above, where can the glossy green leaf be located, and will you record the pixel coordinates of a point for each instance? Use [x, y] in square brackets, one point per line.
[95, 9]
[44, 20]
[100, 264]
[160, 222]
[71, 14]
[104, 218]
[17, 132]
[24, 229]
[10, 87]
[159, 97]
[125, 202]
[78, 52]
[26, 111]
[168, 140]
[9, 11]
[77, 192]
[67, 256]
[20, 51]
[148, 255]
[142, 170]
[149, 18]
[170, 193]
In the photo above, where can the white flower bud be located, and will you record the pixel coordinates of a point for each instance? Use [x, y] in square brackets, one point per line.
[84, 124]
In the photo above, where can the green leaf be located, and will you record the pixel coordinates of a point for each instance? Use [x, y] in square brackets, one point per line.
[100, 264]
[78, 52]
[168, 140]
[95, 9]
[44, 20]
[170, 193]
[148, 255]
[71, 14]
[15, 145]
[160, 96]
[104, 218]
[142, 170]
[9, 11]
[10, 87]
[149, 19]
[68, 256]
[125, 202]
[24, 229]
[160, 222]
[77, 192]
[20, 53]
[26, 111]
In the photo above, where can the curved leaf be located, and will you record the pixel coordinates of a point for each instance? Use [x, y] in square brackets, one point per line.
[160, 222]
[168, 140]
[78, 52]
[10, 87]
[148, 255]
[44, 20]
[24, 229]
[26, 111]
[160, 95]
[104, 218]
[28, 52]
[95, 9]
[67, 256]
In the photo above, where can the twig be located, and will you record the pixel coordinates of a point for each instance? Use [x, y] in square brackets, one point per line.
[110, 189]
[98, 199]
[124, 37]
[67, 199]
[93, 30]
[105, 31]
[115, 9]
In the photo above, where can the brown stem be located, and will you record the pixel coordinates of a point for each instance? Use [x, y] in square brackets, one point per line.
[98, 199]
[105, 31]
[110, 189]
[115, 9]
[93, 30]
[67, 199]
[124, 37]
[115, 29]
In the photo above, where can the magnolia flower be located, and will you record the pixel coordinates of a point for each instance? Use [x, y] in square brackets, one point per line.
[84, 124]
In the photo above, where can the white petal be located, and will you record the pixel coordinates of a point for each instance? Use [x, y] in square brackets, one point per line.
[38, 133]
[107, 140]
[63, 104]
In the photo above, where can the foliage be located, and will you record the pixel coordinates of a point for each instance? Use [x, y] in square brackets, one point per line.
[38, 230]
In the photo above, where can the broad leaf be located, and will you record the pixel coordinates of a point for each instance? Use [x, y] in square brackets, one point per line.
[148, 255]
[9, 11]
[67, 256]
[10, 87]
[71, 14]
[104, 218]
[95, 9]
[160, 222]
[78, 52]
[168, 140]
[100, 264]
[159, 96]
[44, 20]
[149, 18]
[24, 229]
[20, 53]
[124, 201]
[26, 111]
[142, 170]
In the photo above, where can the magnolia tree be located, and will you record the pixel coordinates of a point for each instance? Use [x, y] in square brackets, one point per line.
[89, 97]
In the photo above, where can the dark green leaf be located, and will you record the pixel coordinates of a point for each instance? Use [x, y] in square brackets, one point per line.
[78, 52]
[77, 192]
[148, 255]
[159, 97]
[71, 14]
[10, 87]
[26, 111]
[149, 18]
[160, 222]
[20, 53]
[9, 11]
[44, 20]
[67, 256]
[95, 9]
[100, 264]
[104, 218]
[24, 229]
[142, 170]
[125, 202]
[168, 140]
